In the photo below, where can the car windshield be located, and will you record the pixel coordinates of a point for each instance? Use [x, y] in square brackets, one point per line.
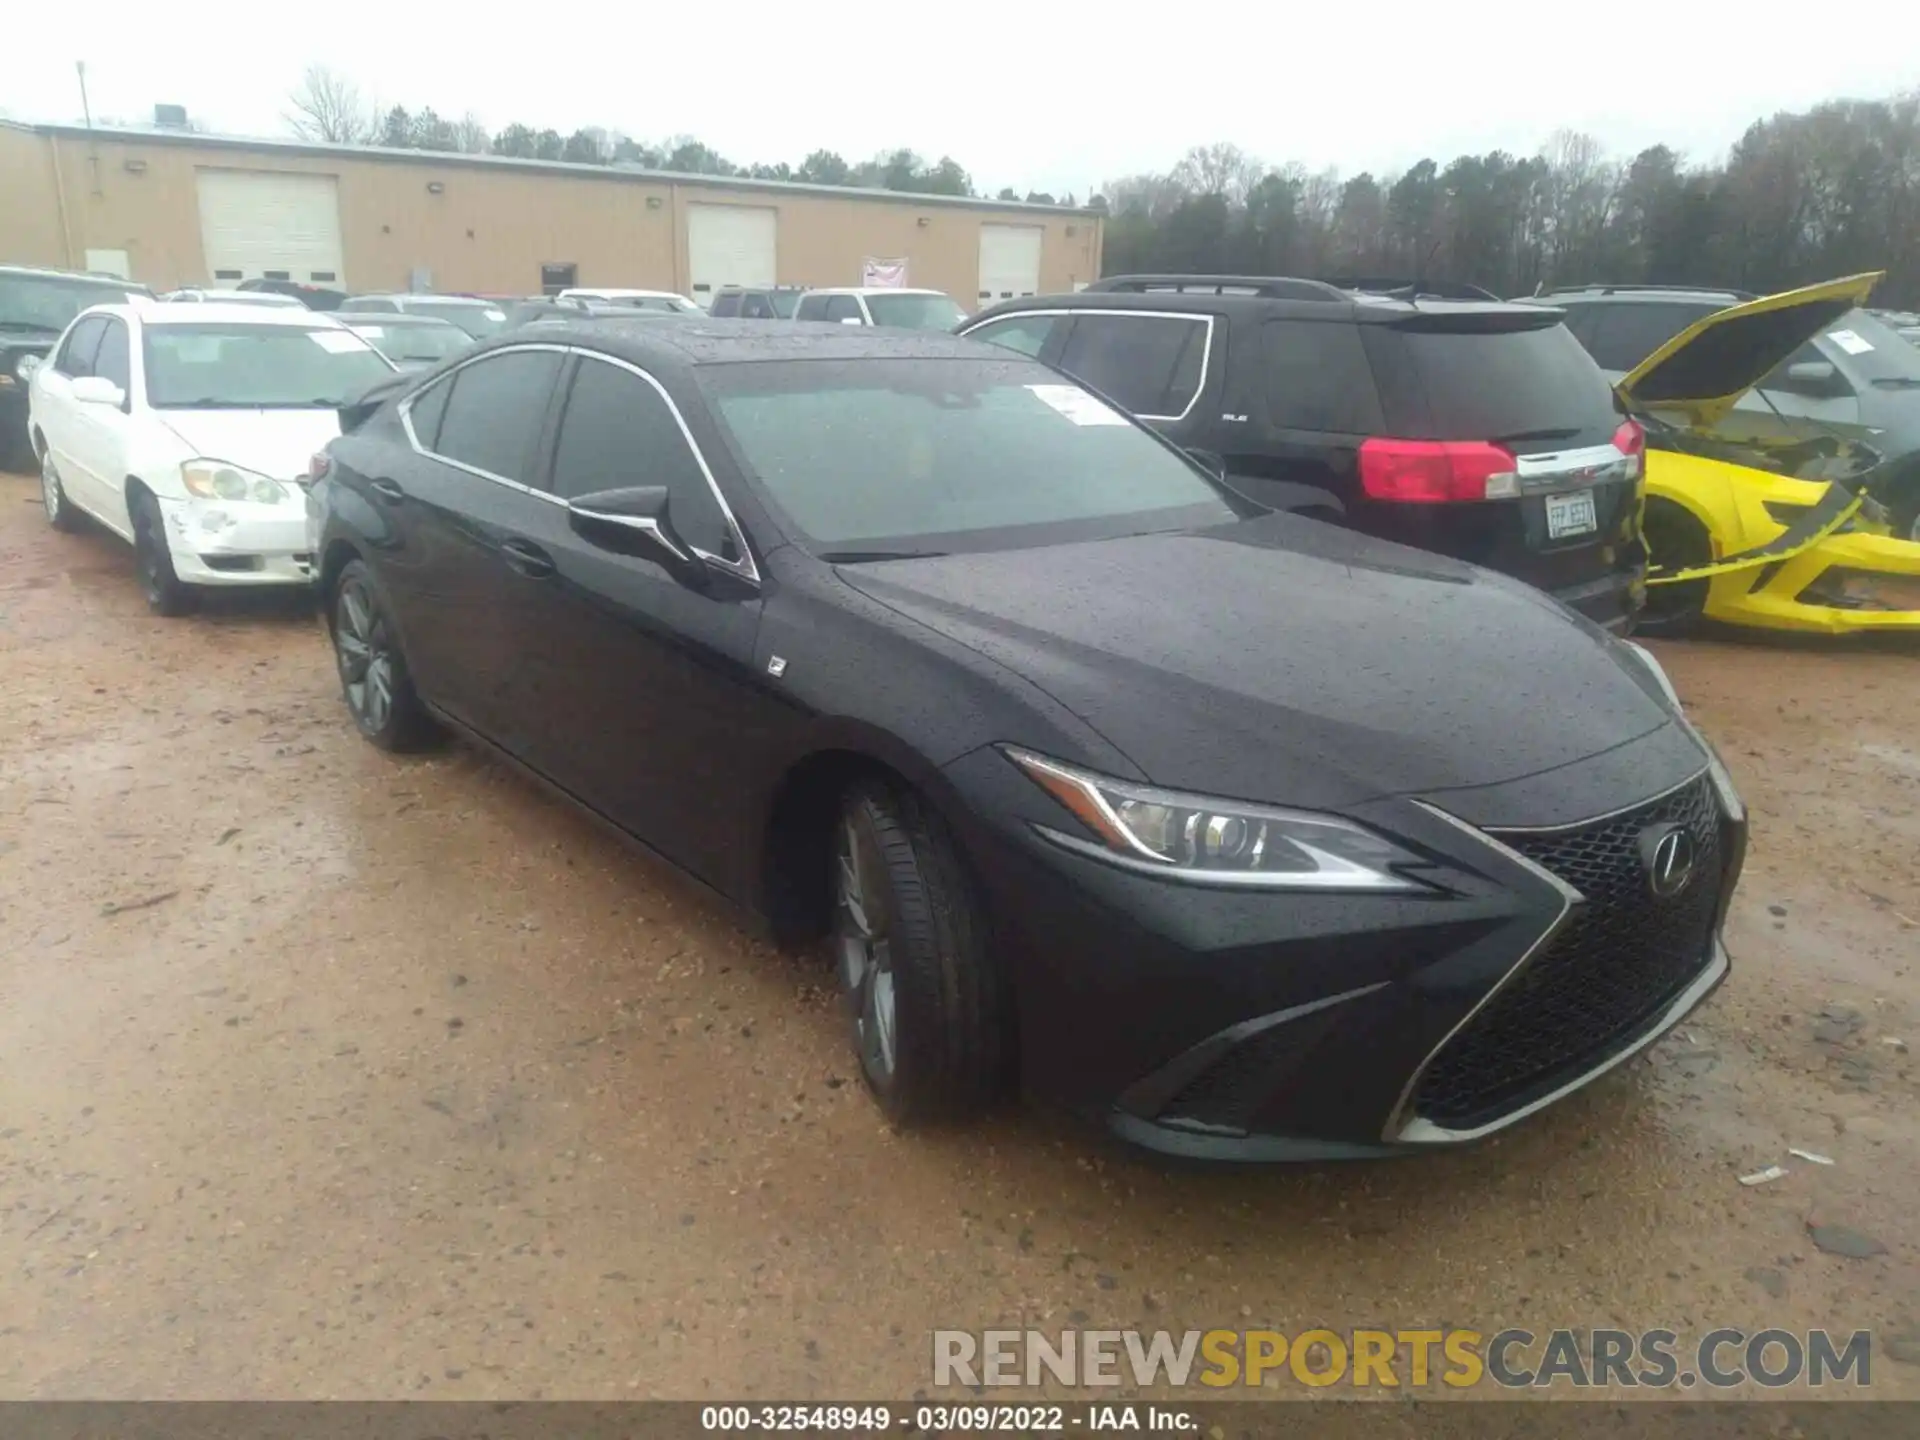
[1876, 350]
[244, 367]
[49, 302]
[784, 302]
[875, 458]
[479, 321]
[915, 312]
[412, 344]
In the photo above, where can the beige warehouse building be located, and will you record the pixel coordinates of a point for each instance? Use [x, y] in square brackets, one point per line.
[172, 208]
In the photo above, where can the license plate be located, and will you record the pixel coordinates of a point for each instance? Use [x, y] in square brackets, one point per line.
[1570, 514]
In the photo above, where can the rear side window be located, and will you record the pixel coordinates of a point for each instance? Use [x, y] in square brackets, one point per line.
[1151, 364]
[1316, 377]
[1489, 385]
[755, 307]
[1022, 334]
[617, 431]
[725, 305]
[76, 356]
[1620, 336]
[843, 307]
[493, 417]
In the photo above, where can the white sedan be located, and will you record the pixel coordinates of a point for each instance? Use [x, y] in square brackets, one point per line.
[186, 430]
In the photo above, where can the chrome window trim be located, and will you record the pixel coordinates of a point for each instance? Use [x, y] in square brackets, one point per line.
[744, 567]
[1206, 349]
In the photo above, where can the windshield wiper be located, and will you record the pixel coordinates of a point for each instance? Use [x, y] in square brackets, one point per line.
[1564, 432]
[856, 557]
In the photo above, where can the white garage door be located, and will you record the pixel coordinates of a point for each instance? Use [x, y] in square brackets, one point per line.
[268, 224]
[1009, 261]
[730, 245]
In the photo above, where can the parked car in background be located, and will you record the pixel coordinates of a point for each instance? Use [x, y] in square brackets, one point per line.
[196, 295]
[314, 297]
[745, 302]
[903, 309]
[411, 342]
[1855, 381]
[186, 430]
[479, 318]
[35, 306]
[1250, 837]
[1475, 428]
[557, 311]
[639, 299]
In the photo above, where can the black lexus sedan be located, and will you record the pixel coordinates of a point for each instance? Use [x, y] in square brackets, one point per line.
[1253, 837]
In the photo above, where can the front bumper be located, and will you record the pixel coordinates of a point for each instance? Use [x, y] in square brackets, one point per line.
[1850, 582]
[217, 542]
[1218, 1025]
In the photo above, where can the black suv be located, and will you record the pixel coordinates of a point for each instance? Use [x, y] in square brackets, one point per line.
[1435, 416]
[35, 306]
[764, 302]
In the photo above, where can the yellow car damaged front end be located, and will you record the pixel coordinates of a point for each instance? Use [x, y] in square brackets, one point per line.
[1772, 552]
[1744, 543]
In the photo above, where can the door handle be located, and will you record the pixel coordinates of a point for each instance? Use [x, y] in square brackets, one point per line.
[526, 558]
[389, 491]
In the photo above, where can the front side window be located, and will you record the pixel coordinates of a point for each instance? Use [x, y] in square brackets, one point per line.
[812, 307]
[726, 305]
[76, 356]
[618, 431]
[113, 361]
[880, 456]
[1152, 364]
[493, 417]
[1022, 334]
[915, 312]
[843, 308]
[755, 307]
[212, 366]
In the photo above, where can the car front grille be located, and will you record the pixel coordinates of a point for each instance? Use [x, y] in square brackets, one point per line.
[1618, 961]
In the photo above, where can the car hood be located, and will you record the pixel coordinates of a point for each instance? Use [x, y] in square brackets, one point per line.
[1285, 660]
[276, 443]
[1705, 369]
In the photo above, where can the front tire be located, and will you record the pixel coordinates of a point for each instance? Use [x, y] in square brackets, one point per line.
[1675, 541]
[925, 1002]
[374, 676]
[53, 495]
[167, 594]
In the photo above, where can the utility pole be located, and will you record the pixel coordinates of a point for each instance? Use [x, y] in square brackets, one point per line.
[80, 68]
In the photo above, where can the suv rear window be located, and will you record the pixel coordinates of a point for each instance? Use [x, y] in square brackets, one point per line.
[1489, 384]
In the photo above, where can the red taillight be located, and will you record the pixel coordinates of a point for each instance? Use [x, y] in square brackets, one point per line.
[317, 465]
[1631, 441]
[1428, 472]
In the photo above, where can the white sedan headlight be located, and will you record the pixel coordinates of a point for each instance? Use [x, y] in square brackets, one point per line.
[1218, 842]
[217, 480]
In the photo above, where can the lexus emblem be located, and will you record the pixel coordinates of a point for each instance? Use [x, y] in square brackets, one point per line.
[1669, 855]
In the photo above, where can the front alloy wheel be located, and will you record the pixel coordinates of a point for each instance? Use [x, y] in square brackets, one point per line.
[373, 672]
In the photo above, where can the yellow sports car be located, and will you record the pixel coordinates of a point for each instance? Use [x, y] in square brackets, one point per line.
[1775, 535]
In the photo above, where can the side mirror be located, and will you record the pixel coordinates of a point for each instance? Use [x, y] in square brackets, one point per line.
[27, 365]
[851, 320]
[95, 390]
[634, 521]
[1815, 377]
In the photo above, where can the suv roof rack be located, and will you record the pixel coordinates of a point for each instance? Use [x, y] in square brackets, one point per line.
[1404, 288]
[1614, 288]
[1267, 287]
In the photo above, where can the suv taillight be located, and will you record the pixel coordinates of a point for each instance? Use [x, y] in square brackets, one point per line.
[1631, 441]
[1431, 472]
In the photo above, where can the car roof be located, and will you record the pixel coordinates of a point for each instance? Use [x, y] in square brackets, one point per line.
[1327, 304]
[722, 342]
[871, 290]
[212, 311]
[760, 289]
[384, 317]
[437, 299]
[42, 272]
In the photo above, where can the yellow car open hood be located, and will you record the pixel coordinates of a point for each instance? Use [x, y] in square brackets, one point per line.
[1705, 369]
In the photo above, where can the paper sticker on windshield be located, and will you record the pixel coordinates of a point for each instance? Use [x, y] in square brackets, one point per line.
[336, 342]
[368, 332]
[1078, 406]
[494, 314]
[1850, 342]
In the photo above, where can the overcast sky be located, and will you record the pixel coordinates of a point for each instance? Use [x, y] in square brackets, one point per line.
[1059, 98]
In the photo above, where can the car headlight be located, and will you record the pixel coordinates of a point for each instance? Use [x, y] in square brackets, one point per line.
[1218, 842]
[216, 480]
[1722, 778]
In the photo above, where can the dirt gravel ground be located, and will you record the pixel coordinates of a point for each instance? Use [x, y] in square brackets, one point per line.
[324, 1074]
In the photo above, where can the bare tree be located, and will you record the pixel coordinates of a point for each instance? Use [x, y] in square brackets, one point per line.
[328, 107]
[470, 135]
